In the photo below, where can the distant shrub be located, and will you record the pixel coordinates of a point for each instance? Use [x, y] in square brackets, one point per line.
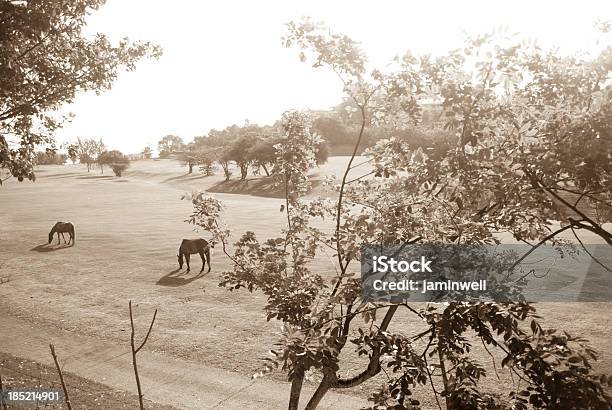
[50, 157]
[322, 152]
[206, 161]
[116, 160]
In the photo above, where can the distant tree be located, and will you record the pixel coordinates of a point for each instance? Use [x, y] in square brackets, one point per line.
[348, 113]
[50, 157]
[333, 130]
[202, 156]
[189, 158]
[206, 160]
[224, 161]
[263, 154]
[321, 152]
[87, 150]
[239, 153]
[116, 160]
[44, 60]
[98, 149]
[217, 138]
[147, 152]
[169, 145]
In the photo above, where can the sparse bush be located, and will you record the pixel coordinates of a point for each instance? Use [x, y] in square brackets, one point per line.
[206, 161]
[116, 160]
[50, 157]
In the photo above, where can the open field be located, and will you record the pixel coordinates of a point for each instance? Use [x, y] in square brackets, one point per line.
[127, 233]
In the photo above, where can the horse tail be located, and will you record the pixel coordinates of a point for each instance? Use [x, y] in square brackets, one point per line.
[73, 235]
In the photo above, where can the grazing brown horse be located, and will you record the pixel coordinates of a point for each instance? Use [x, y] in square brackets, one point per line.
[192, 246]
[60, 228]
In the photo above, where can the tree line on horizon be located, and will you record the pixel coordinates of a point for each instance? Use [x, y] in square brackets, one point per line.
[253, 147]
[88, 151]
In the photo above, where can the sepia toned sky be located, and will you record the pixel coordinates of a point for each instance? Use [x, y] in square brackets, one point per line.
[224, 62]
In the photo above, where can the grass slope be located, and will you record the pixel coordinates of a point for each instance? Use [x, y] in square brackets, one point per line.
[127, 233]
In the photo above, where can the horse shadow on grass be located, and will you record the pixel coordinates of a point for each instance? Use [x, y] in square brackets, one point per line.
[176, 278]
[50, 248]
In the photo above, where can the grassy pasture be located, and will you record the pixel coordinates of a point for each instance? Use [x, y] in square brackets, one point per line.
[127, 233]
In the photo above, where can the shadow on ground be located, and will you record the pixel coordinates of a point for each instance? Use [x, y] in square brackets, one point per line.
[62, 175]
[175, 279]
[260, 186]
[96, 177]
[49, 248]
[186, 177]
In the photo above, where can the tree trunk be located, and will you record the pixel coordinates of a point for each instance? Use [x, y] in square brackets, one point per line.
[318, 395]
[190, 167]
[265, 169]
[296, 390]
[450, 405]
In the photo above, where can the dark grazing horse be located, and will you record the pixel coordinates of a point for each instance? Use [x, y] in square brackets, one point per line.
[192, 246]
[60, 228]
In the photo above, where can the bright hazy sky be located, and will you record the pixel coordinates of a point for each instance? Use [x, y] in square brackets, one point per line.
[224, 62]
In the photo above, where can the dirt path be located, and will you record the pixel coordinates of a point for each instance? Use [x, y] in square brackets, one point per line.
[165, 380]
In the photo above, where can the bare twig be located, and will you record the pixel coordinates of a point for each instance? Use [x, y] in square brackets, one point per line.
[136, 350]
[544, 240]
[589, 253]
[61, 376]
[4, 406]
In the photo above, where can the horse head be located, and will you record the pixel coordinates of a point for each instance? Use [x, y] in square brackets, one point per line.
[50, 236]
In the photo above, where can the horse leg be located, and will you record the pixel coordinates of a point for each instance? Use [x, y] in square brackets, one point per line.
[207, 258]
[58, 235]
[203, 260]
[64, 238]
[187, 256]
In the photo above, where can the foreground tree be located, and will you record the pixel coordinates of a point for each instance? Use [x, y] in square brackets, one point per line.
[531, 130]
[44, 62]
